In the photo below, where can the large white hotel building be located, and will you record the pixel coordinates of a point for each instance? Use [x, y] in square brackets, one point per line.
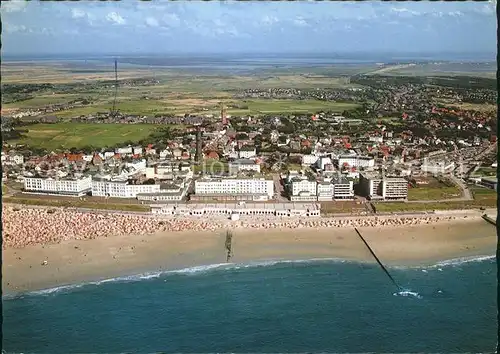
[62, 186]
[251, 188]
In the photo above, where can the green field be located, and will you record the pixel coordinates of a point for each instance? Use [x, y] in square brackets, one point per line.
[486, 172]
[78, 135]
[181, 106]
[484, 194]
[433, 193]
[483, 197]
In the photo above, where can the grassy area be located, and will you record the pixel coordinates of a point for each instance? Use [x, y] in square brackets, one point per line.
[210, 106]
[4, 189]
[77, 135]
[483, 197]
[486, 172]
[482, 107]
[482, 194]
[409, 207]
[77, 204]
[339, 207]
[433, 193]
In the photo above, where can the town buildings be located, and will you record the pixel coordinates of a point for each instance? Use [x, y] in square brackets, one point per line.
[323, 189]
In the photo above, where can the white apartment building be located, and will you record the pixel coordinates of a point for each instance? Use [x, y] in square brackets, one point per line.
[377, 187]
[137, 150]
[169, 193]
[246, 152]
[343, 189]
[325, 191]
[71, 187]
[108, 154]
[303, 190]
[102, 187]
[395, 189]
[243, 165]
[124, 150]
[224, 186]
[437, 167]
[323, 162]
[16, 159]
[356, 161]
[138, 166]
[376, 139]
[309, 159]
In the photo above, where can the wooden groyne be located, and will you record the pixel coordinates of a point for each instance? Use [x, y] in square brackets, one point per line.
[490, 220]
[377, 259]
[229, 247]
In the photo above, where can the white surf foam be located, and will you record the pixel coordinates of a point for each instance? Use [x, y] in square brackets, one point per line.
[462, 260]
[408, 293]
[182, 271]
[447, 263]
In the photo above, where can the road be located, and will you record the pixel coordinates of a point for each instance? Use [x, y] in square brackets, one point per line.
[279, 191]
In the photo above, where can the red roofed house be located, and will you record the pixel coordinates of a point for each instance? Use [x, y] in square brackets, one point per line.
[97, 160]
[74, 157]
[212, 155]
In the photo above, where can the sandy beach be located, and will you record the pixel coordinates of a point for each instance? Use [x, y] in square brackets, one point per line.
[75, 260]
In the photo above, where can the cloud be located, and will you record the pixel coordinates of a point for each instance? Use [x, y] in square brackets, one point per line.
[13, 5]
[269, 20]
[115, 18]
[404, 12]
[152, 22]
[77, 13]
[14, 28]
[300, 21]
[171, 20]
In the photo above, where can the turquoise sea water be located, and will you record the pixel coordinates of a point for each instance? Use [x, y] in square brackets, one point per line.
[313, 306]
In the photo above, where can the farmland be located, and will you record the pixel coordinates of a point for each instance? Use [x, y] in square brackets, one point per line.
[72, 135]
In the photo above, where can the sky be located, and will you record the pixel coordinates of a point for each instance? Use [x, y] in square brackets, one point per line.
[134, 26]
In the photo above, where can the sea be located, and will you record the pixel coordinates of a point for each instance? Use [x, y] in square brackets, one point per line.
[275, 306]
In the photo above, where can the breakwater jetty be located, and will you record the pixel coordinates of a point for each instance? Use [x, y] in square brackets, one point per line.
[490, 219]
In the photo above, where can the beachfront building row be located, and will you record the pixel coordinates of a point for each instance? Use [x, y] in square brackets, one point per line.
[311, 189]
[69, 186]
[231, 188]
[230, 210]
[377, 187]
[106, 186]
